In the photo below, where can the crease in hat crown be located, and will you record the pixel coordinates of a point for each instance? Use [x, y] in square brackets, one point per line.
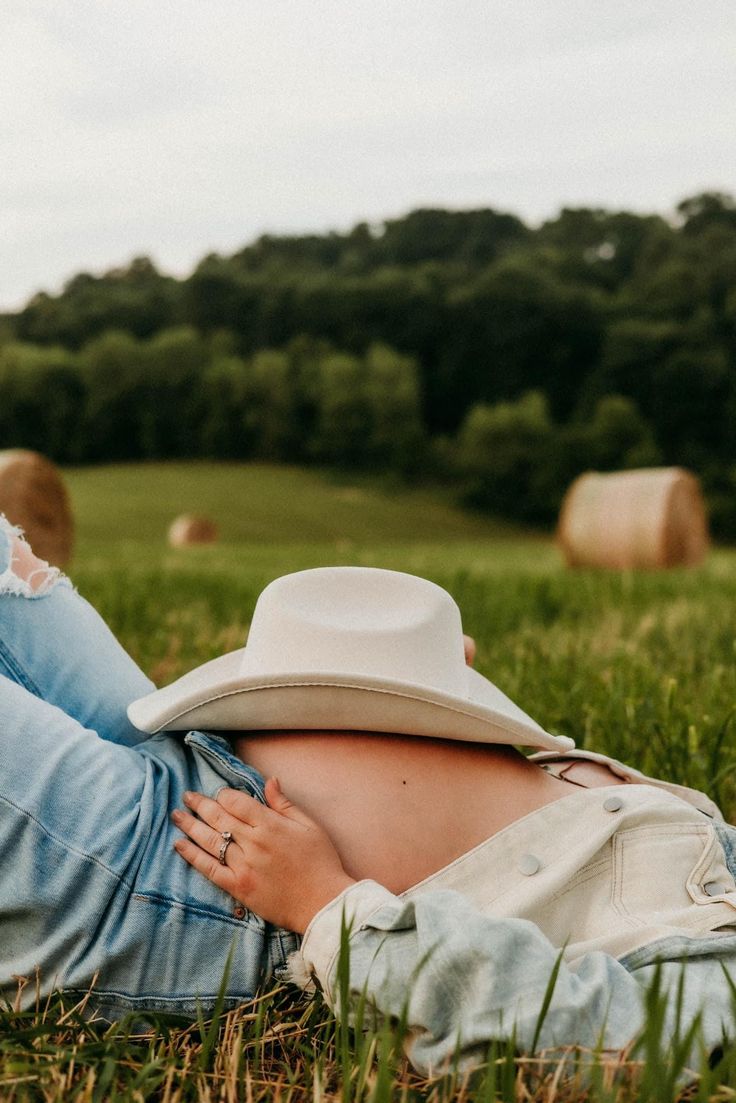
[347, 648]
[360, 621]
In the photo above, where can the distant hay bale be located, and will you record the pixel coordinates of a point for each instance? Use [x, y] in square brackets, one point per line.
[648, 518]
[33, 496]
[188, 529]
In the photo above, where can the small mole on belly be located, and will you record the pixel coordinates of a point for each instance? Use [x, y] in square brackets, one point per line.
[403, 782]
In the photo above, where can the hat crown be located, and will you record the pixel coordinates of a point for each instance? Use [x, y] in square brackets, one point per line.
[362, 621]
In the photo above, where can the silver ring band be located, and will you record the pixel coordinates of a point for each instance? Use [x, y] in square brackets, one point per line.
[227, 838]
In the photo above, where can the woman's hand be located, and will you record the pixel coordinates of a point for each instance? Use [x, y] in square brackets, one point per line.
[280, 863]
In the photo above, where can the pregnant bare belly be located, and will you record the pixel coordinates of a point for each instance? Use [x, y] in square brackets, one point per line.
[399, 808]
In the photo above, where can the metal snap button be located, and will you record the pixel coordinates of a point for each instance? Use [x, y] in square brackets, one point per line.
[239, 911]
[529, 864]
[714, 888]
[613, 804]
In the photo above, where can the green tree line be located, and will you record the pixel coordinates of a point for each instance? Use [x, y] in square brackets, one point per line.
[464, 343]
[179, 394]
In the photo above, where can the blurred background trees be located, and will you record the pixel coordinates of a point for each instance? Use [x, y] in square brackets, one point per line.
[461, 343]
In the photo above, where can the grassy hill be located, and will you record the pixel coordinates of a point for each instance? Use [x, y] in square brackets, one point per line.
[638, 664]
[264, 503]
[277, 518]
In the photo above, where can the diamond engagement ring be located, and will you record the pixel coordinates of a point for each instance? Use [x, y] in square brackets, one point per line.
[227, 838]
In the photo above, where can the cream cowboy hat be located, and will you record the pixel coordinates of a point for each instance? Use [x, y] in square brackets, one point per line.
[347, 648]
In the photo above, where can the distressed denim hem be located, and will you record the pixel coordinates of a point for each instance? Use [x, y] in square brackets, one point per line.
[13, 584]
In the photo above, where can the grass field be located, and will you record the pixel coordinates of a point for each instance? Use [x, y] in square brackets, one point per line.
[641, 666]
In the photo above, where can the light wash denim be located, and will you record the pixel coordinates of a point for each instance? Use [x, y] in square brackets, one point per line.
[90, 887]
[464, 978]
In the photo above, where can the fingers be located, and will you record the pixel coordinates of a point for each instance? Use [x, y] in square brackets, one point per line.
[197, 830]
[250, 811]
[220, 875]
[245, 809]
[237, 812]
[207, 828]
[227, 813]
[276, 798]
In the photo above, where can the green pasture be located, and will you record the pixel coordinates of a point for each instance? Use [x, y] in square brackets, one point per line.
[640, 665]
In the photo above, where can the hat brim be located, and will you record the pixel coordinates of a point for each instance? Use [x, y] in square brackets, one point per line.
[219, 696]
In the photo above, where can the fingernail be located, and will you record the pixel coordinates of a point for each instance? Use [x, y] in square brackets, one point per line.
[187, 797]
[176, 815]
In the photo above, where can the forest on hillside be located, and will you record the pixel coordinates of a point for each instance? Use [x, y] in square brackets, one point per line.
[463, 345]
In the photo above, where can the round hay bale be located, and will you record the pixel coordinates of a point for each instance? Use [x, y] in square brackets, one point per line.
[654, 518]
[189, 529]
[33, 496]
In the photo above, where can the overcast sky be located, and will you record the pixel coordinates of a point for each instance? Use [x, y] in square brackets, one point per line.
[175, 128]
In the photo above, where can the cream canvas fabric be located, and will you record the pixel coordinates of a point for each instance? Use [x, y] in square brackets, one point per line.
[347, 648]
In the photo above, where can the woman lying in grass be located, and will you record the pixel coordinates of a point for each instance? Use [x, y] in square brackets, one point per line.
[470, 874]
